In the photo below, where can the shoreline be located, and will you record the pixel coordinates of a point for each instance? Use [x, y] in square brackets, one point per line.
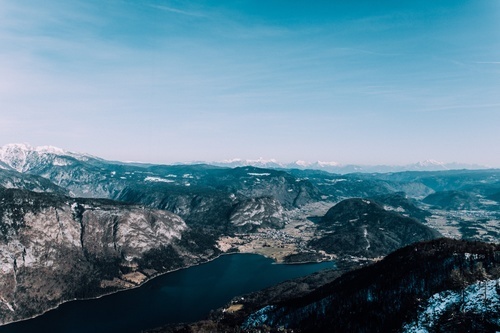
[156, 276]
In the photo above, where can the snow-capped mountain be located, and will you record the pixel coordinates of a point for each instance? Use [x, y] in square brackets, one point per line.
[339, 168]
[260, 163]
[275, 164]
[23, 157]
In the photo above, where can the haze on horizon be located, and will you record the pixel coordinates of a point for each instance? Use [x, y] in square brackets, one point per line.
[386, 82]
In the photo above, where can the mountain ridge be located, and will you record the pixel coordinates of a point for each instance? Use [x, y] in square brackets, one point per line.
[340, 168]
[270, 211]
[14, 155]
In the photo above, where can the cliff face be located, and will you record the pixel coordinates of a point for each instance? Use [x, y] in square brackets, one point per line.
[54, 248]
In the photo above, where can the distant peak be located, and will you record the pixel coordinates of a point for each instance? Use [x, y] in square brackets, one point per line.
[430, 162]
[328, 164]
[340, 168]
[263, 160]
[25, 147]
[302, 163]
[260, 162]
[232, 160]
[22, 156]
[51, 150]
[17, 146]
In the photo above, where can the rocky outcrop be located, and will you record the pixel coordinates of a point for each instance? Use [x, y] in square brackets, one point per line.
[13, 179]
[54, 248]
[251, 214]
[198, 207]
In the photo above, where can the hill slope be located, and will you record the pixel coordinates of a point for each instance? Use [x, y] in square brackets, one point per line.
[360, 227]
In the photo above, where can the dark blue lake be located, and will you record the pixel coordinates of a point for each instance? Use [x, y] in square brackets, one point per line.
[181, 296]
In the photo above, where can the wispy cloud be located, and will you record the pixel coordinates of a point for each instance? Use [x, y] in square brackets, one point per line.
[463, 106]
[488, 62]
[178, 11]
[134, 66]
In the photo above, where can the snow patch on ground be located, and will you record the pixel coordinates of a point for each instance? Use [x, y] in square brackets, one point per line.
[479, 298]
[258, 318]
[158, 180]
[7, 304]
[259, 174]
[365, 235]
[334, 181]
[60, 162]
[394, 209]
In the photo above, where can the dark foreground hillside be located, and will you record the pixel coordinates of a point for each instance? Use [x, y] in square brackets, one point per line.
[442, 285]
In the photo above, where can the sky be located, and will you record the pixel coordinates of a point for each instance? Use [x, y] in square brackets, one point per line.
[163, 81]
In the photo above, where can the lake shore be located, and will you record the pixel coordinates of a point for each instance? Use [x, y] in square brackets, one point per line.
[151, 278]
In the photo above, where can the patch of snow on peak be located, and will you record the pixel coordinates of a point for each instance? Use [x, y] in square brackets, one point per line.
[430, 162]
[262, 160]
[302, 163]
[233, 160]
[328, 164]
[23, 157]
[429, 165]
[50, 150]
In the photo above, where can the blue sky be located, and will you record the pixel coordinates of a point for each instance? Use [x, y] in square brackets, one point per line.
[367, 82]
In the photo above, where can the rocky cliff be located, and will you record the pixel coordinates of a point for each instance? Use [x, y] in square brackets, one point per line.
[54, 248]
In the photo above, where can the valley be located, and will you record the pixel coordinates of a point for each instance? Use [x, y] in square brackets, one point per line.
[285, 244]
[74, 226]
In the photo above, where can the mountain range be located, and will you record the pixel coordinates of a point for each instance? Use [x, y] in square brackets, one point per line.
[77, 226]
[21, 156]
[336, 167]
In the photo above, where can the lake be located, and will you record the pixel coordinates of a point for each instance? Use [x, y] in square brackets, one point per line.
[182, 296]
